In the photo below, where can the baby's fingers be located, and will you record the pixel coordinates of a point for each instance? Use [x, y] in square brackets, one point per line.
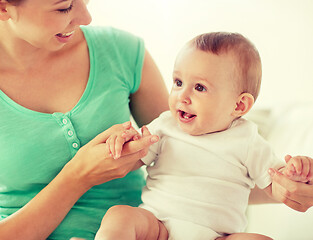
[119, 142]
[310, 169]
[145, 131]
[131, 134]
[297, 163]
[110, 143]
[302, 167]
[305, 167]
[290, 170]
[287, 158]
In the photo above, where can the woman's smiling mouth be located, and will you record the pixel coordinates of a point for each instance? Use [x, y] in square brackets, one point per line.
[64, 37]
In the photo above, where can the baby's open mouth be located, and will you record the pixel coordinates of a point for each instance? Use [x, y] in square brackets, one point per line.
[186, 115]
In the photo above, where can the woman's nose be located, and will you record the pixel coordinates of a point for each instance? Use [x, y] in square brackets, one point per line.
[81, 14]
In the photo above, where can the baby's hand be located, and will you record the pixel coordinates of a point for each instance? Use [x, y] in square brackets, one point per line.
[299, 168]
[121, 135]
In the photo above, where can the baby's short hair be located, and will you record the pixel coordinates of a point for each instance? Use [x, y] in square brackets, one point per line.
[249, 67]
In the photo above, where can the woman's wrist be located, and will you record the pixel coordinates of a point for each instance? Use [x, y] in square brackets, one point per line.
[75, 178]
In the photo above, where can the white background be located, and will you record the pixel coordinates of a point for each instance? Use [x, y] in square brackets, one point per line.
[282, 30]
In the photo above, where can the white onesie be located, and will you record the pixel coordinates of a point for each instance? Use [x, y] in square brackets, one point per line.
[199, 186]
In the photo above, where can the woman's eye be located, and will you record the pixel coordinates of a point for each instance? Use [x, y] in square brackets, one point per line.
[178, 83]
[66, 10]
[200, 88]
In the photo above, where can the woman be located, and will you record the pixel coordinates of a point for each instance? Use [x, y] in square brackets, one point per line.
[61, 86]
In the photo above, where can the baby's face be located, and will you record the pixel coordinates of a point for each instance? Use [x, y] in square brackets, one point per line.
[204, 94]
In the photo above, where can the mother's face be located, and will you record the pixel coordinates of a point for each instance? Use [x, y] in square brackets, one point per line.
[46, 24]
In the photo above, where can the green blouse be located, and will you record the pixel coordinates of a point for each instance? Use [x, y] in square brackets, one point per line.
[35, 146]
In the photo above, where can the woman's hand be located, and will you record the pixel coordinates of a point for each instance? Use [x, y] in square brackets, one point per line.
[296, 195]
[93, 165]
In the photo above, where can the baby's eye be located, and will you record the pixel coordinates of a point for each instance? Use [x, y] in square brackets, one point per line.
[200, 88]
[178, 83]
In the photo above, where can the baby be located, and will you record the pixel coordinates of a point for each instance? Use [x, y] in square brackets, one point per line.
[208, 158]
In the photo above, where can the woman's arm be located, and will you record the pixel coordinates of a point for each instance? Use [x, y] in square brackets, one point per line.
[260, 196]
[89, 167]
[151, 98]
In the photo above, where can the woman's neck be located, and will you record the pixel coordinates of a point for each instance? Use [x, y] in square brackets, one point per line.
[17, 53]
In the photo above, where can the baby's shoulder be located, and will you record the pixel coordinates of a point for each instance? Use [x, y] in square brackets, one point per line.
[164, 123]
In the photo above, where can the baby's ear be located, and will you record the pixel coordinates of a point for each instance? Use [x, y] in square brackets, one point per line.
[243, 105]
[4, 14]
[6, 10]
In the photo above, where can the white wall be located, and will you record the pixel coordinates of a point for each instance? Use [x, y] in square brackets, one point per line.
[282, 30]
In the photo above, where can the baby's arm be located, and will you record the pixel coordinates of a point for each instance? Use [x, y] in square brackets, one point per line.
[120, 136]
[299, 168]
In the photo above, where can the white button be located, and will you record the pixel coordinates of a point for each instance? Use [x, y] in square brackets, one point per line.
[75, 145]
[64, 121]
[70, 133]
